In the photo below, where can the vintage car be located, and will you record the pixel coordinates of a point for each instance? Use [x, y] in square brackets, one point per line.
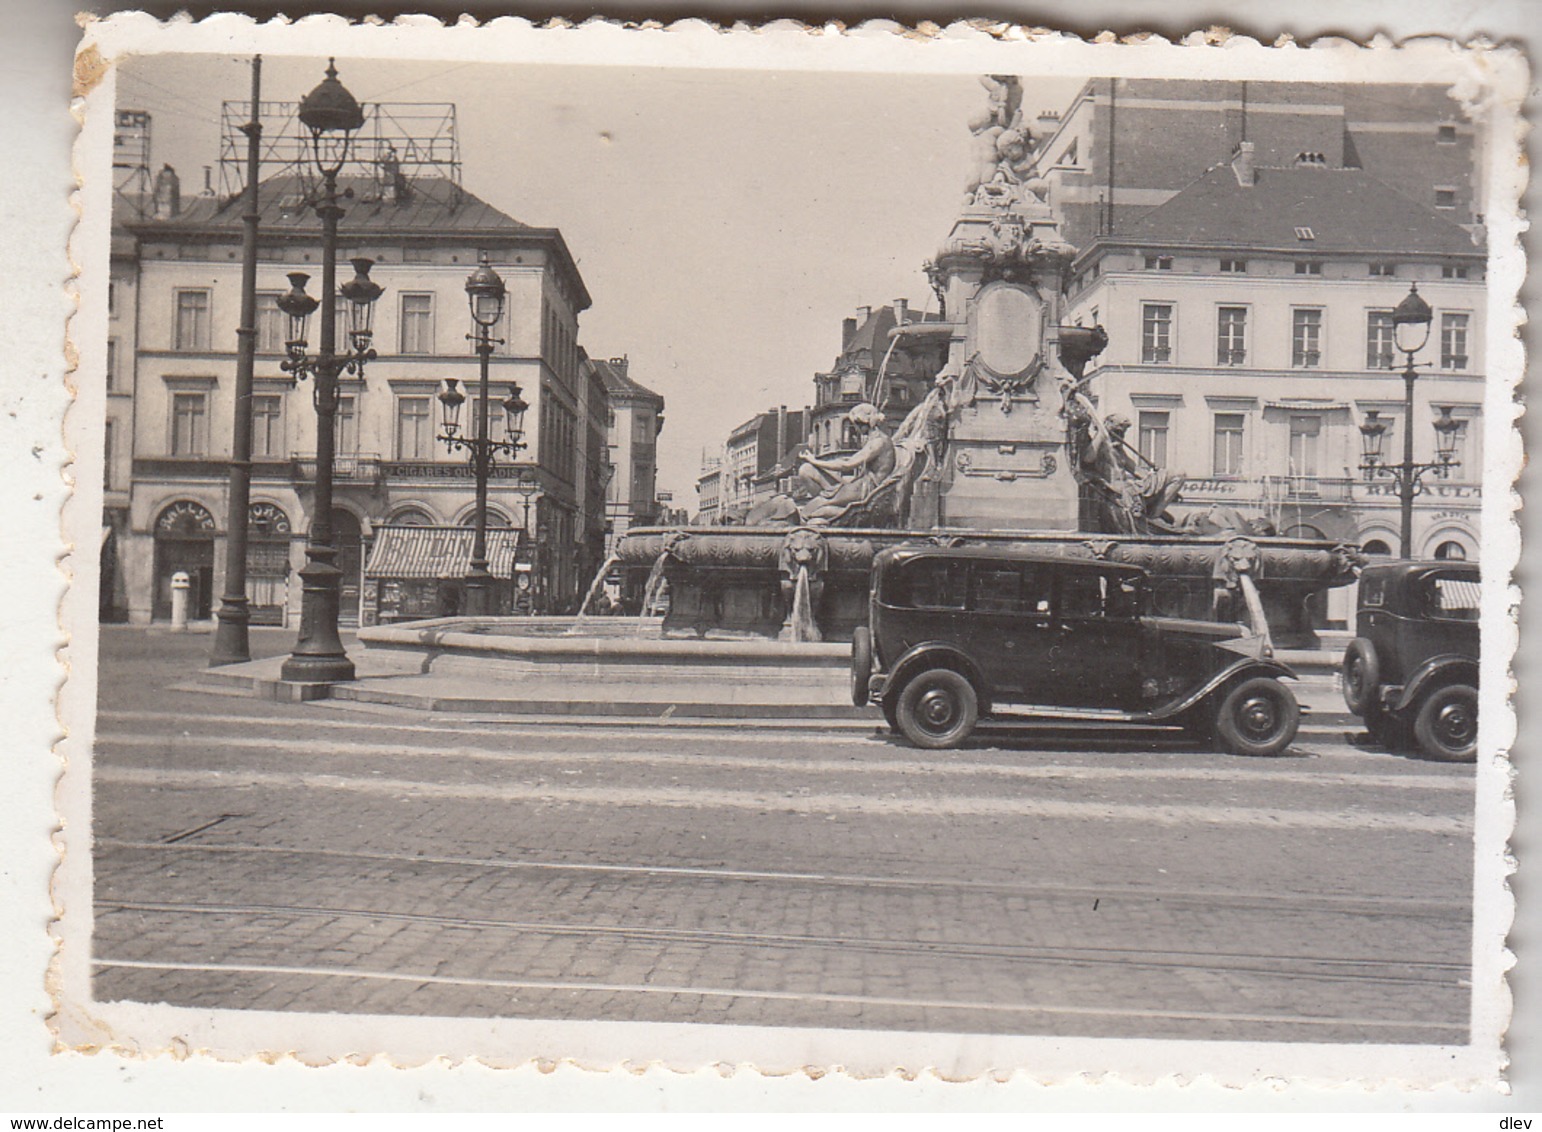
[955, 634]
[1411, 673]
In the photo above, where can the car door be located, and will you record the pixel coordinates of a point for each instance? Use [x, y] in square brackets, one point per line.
[1096, 655]
[1009, 611]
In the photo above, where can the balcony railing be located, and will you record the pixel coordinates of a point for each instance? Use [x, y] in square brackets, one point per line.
[351, 468]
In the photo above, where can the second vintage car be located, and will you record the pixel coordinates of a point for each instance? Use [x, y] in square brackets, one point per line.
[957, 634]
[1411, 673]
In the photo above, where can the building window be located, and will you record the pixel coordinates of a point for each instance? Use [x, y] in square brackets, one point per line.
[1159, 263]
[107, 458]
[1445, 135]
[110, 374]
[1383, 269]
[1234, 267]
[1156, 333]
[1377, 546]
[112, 299]
[1308, 267]
[1306, 338]
[1379, 342]
[1228, 444]
[1453, 341]
[1305, 234]
[1231, 336]
[192, 328]
[345, 425]
[417, 324]
[414, 432]
[1152, 436]
[272, 324]
[1458, 451]
[189, 421]
[1453, 271]
[1304, 433]
[1451, 551]
[1445, 198]
[411, 253]
[267, 425]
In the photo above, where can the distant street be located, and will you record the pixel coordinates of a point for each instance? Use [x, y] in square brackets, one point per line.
[325, 857]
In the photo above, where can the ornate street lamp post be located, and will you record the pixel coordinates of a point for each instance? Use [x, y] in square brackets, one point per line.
[486, 293]
[1410, 331]
[331, 115]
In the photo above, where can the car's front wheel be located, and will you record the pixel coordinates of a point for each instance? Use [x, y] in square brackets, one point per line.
[1257, 717]
[861, 664]
[937, 709]
[1361, 674]
[1447, 724]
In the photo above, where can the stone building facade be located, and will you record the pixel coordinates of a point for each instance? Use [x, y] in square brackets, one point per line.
[176, 282]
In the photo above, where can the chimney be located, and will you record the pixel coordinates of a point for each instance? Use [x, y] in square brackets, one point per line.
[1311, 159]
[208, 180]
[864, 313]
[166, 194]
[848, 328]
[1047, 123]
[901, 311]
[619, 365]
[1242, 165]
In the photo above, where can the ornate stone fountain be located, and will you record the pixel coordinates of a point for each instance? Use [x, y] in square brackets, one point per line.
[1007, 448]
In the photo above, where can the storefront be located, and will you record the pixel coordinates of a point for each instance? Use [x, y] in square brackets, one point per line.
[416, 572]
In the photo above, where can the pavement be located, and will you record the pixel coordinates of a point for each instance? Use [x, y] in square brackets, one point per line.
[430, 679]
[331, 856]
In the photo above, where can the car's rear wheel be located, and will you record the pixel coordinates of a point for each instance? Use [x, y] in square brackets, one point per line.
[937, 709]
[1447, 724]
[861, 664]
[1361, 674]
[1257, 717]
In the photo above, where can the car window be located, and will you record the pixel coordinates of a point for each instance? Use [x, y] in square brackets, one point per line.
[1373, 591]
[1453, 599]
[997, 587]
[1083, 594]
[1124, 597]
[930, 583]
[1010, 587]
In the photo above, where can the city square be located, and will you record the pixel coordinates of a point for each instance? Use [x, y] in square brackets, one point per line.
[997, 557]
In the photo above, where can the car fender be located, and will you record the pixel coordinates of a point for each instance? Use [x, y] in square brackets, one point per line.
[934, 654]
[1244, 668]
[1433, 673]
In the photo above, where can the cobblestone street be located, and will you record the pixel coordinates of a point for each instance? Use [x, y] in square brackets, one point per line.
[324, 857]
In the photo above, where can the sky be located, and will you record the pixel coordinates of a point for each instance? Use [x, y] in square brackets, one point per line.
[725, 222]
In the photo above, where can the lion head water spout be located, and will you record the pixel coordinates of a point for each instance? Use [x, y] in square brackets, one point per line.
[801, 626]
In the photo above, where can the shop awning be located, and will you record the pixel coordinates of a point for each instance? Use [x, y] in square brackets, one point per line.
[437, 552]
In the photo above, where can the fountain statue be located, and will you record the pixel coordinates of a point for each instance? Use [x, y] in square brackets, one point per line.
[1008, 446]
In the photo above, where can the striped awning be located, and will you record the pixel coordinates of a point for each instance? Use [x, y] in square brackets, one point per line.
[437, 552]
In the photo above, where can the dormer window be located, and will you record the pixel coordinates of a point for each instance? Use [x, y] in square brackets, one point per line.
[1305, 234]
[1445, 135]
[1445, 198]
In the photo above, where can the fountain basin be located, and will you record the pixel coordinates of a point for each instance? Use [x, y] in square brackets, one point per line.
[737, 579]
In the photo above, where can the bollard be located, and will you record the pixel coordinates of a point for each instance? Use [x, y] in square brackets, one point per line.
[180, 584]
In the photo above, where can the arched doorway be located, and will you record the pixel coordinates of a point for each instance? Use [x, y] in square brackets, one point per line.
[267, 564]
[348, 537]
[184, 542]
[412, 516]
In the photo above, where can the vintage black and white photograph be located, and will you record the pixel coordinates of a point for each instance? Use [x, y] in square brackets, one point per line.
[983, 553]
